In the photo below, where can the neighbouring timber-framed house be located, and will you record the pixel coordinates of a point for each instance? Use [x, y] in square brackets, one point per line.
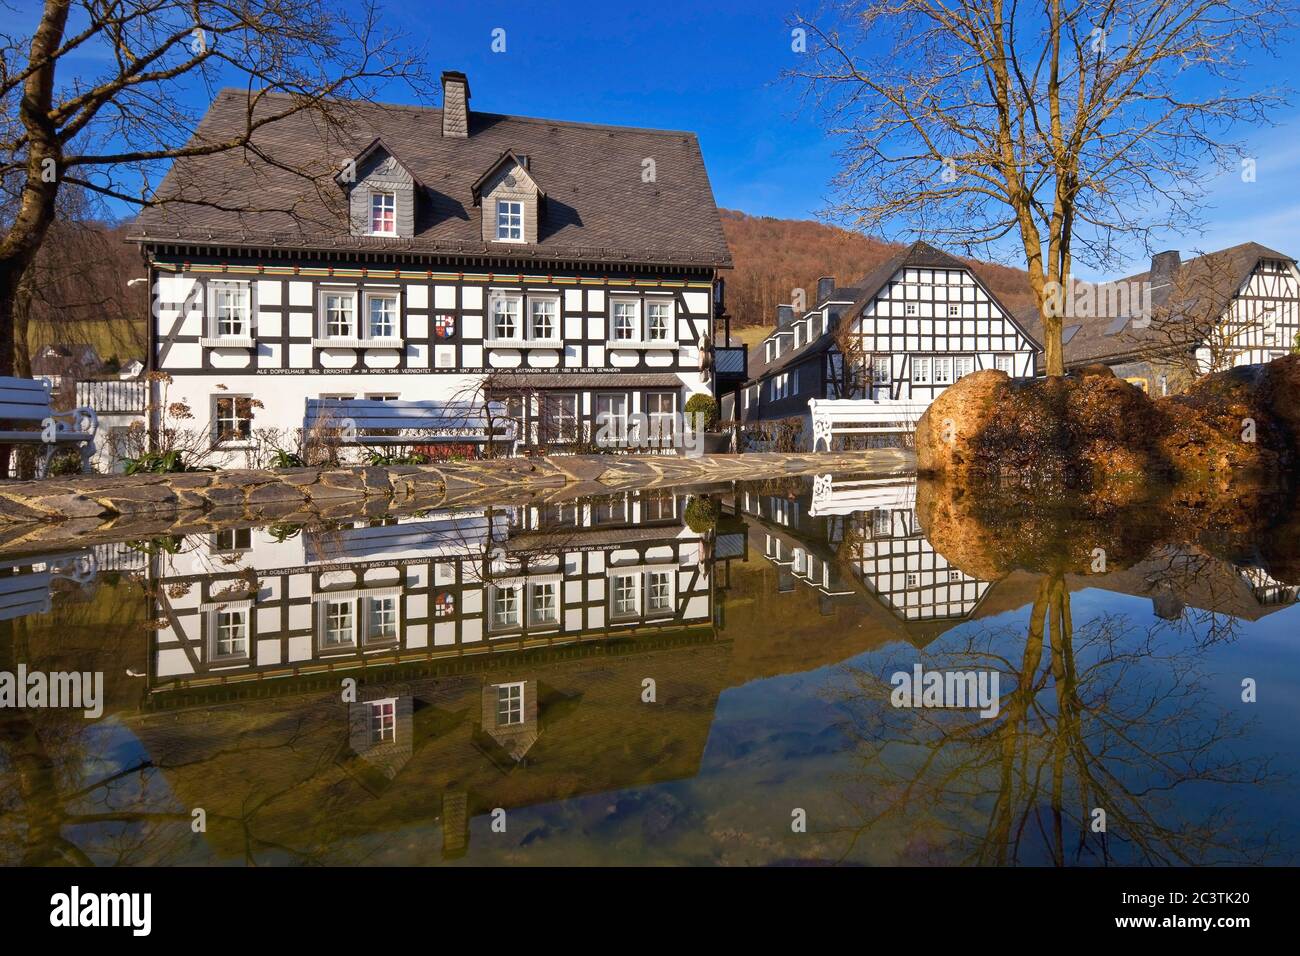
[917, 323]
[1177, 320]
[568, 268]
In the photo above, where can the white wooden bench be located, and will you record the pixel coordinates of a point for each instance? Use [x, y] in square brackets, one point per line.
[831, 417]
[27, 401]
[371, 422]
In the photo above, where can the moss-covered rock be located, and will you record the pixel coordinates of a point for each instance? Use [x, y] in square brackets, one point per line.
[1093, 432]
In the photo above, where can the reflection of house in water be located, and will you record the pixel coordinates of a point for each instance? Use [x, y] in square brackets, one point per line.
[481, 642]
[1178, 579]
[849, 536]
[253, 604]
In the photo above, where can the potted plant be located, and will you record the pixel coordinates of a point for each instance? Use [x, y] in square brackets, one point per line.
[702, 414]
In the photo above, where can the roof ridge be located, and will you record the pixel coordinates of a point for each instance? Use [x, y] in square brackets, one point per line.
[536, 120]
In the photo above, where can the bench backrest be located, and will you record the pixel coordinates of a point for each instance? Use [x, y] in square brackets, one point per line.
[24, 399]
[852, 410]
[369, 414]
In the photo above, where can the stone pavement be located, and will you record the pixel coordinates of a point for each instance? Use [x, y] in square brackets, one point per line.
[83, 509]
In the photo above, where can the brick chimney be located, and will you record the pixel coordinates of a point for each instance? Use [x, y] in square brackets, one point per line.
[455, 104]
[825, 288]
[1163, 266]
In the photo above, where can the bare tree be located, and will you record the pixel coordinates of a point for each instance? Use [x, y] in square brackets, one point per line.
[111, 129]
[1071, 126]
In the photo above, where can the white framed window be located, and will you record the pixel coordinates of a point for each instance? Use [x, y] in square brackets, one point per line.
[338, 314]
[510, 704]
[504, 608]
[381, 618]
[544, 318]
[232, 539]
[560, 416]
[661, 417]
[624, 320]
[962, 365]
[230, 305]
[625, 595]
[612, 415]
[507, 323]
[543, 603]
[340, 624]
[943, 370]
[911, 580]
[1002, 363]
[383, 214]
[921, 370]
[954, 311]
[658, 592]
[232, 419]
[658, 320]
[383, 721]
[910, 308]
[510, 220]
[230, 633]
[381, 315]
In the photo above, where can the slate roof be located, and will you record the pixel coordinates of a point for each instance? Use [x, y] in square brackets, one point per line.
[597, 206]
[1200, 286]
[918, 255]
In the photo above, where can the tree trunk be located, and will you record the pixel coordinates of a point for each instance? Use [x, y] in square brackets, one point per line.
[1053, 351]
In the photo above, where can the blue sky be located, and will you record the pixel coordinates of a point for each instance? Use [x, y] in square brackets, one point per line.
[715, 68]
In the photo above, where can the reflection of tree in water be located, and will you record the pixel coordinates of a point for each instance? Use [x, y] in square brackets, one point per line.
[1103, 716]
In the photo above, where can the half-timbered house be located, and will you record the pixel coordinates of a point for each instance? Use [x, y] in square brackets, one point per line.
[444, 254]
[915, 324]
[1161, 328]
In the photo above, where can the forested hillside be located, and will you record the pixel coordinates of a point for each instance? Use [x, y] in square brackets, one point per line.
[775, 256]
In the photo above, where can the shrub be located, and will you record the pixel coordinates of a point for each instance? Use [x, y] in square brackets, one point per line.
[286, 459]
[702, 514]
[702, 410]
[384, 459]
[157, 463]
[66, 463]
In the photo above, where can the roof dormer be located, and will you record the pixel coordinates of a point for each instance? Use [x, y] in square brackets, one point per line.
[381, 193]
[511, 199]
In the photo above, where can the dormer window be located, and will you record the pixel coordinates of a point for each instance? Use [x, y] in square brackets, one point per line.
[383, 214]
[510, 221]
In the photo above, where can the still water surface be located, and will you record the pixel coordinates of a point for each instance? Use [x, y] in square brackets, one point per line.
[646, 678]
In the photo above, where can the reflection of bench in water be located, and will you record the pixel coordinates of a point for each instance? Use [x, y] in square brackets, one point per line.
[27, 589]
[841, 496]
[439, 535]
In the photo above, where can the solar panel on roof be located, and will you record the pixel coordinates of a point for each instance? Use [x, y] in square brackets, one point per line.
[1068, 333]
[1117, 325]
